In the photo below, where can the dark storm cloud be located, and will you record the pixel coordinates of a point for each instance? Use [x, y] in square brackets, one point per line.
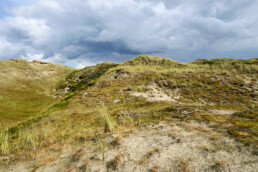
[107, 47]
[84, 32]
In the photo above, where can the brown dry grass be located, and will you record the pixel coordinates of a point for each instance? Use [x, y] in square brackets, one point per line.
[113, 164]
[183, 166]
[46, 160]
[147, 156]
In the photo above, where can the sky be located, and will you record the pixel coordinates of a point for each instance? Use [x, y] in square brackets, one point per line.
[80, 33]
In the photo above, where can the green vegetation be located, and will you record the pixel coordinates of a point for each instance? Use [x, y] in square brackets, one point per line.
[80, 79]
[233, 65]
[26, 88]
[109, 123]
[79, 117]
[4, 140]
[146, 63]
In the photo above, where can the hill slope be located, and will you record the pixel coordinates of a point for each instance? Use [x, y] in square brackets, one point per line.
[27, 88]
[147, 114]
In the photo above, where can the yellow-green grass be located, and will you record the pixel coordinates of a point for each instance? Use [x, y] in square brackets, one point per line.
[146, 63]
[16, 105]
[26, 88]
[77, 119]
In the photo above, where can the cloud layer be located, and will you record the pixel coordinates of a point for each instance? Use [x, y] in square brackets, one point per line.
[85, 32]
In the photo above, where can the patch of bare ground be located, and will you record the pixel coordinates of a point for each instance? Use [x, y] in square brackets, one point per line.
[154, 93]
[165, 146]
[222, 112]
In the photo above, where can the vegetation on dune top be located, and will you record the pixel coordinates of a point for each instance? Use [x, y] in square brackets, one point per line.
[233, 65]
[25, 65]
[85, 77]
[149, 60]
[147, 63]
[218, 61]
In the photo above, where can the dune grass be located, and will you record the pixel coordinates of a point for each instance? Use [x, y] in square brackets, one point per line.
[79, 117]
[5, 138]
[146, 63]
[108, 122]
[26, 88]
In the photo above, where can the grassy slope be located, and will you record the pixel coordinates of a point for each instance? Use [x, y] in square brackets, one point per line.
[27, 88]
[223, 84]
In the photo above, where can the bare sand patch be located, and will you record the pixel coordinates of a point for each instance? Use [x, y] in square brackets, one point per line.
[161, 147]
[222, 112]
[154, 93]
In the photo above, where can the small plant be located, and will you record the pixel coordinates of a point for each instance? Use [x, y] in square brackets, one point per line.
[137, 88]
[147, 156]
[113, 164]
[116, 141]
[101, 147]
[207, 148]
[31, 137]
[140, 89]
[219, 165]
[126, 117]
[109, 122]
[155, 169]
[4, 141]
[183, 166]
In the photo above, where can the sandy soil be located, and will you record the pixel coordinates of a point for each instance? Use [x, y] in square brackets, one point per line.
[154, 147]
[154, 93]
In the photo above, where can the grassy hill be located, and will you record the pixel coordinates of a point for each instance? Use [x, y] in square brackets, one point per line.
[26, 88]
[147, 114]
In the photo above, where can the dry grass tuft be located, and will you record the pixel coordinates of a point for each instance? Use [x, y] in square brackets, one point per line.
[147, 156]
[207, 148]
[183, 166]
[5, 139]
[101, 147]
[46, 160]
[116, 141]
[216, 136]
[155, 169]
[108, 121]
[78, 155]
[113, 164]
[219, 165]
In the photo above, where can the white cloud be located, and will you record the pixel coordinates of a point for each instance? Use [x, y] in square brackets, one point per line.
[71, 32]
[31, 57]
[79, 66]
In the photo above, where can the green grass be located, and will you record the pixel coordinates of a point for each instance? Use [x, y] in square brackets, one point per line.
[146, 63]
[78, 118]
[108, 121]
[17, 105]
[80, 79]
[27, 88]
[5, 139]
